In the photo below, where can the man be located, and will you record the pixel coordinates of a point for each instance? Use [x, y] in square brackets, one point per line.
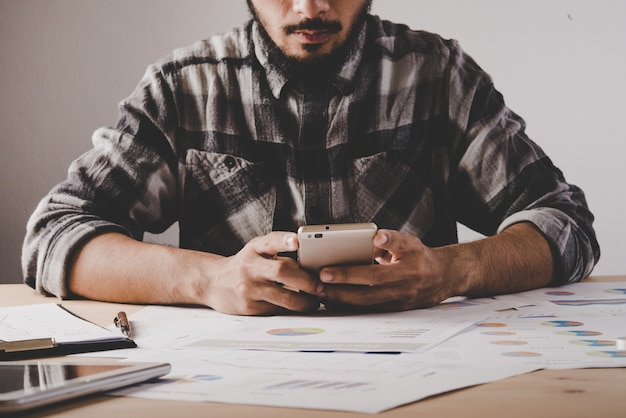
[314, 112]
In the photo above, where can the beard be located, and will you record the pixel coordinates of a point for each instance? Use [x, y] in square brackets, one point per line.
[314, 67]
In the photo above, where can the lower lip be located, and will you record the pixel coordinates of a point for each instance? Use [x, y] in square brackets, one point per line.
[313, 37]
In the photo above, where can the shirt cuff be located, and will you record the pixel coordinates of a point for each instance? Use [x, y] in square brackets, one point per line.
[55, 274]
[573, 260]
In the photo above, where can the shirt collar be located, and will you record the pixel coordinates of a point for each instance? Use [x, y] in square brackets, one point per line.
[343, 79]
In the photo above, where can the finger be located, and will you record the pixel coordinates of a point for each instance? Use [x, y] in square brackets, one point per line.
[290, 300]
[273, 243]
[286, 272]
[389, 241]
[353, 275]
[359, 295]
[369, 275]
[268, 297]
[392, 246]
[382, 255]
[304, 284]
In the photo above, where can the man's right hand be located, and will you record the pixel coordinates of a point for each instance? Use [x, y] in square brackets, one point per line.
[256, 281]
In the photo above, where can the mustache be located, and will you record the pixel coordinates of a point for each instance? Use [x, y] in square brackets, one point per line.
[332, 26]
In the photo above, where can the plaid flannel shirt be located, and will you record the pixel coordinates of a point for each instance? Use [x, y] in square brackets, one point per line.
[409, 133]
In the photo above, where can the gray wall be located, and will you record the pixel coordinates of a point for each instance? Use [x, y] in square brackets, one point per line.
[65, 64]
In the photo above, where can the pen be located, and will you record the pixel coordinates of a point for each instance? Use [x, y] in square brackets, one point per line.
[121, 321]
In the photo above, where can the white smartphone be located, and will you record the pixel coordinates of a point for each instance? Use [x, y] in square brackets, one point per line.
[336, 244]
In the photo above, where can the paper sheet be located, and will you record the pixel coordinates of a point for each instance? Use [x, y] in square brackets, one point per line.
[186, 328]
[356, 382]
[569, 327]
[48, 320]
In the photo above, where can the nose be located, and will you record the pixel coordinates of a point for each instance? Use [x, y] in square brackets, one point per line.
[311, 8]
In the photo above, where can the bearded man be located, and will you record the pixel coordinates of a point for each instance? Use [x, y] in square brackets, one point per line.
[312, 112]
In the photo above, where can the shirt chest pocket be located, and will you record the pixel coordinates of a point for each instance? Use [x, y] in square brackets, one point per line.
[209, 169]
[232, 190]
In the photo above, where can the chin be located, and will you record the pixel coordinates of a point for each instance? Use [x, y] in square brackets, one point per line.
[311, 53]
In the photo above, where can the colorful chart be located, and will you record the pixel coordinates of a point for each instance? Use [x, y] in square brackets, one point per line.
[206, 377]
[491, 325]
[509, 342]
[562, 324]
[608, 354]
[616, 291]
[589, 302]
[594, 343]
[295, 332]
[522, 354]
[580, 333]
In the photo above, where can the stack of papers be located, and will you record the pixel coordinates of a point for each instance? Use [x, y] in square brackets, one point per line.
[371, 363]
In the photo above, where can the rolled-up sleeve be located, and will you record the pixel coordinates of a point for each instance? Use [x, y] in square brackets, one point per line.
[502, 177]
[126, 183]
[572, 241]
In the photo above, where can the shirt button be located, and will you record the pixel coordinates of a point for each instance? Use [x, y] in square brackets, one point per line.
[230, 162]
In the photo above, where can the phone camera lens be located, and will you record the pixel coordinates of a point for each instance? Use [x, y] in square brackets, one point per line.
[319, 235]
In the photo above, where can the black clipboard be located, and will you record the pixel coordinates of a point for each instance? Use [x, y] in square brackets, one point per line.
[23, 349]
[46, 347]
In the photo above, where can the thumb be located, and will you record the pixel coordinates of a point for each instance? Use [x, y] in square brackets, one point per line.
[392, 245]
[383, 239]
[383, 246]
[274, 243]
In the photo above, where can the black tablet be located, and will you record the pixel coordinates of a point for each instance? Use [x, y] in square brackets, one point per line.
[31, 384]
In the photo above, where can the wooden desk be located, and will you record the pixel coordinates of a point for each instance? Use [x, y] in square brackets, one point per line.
[547, 393]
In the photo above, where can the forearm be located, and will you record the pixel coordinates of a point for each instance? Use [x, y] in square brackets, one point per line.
[114, 267]
[117, 268]
[517, 259]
